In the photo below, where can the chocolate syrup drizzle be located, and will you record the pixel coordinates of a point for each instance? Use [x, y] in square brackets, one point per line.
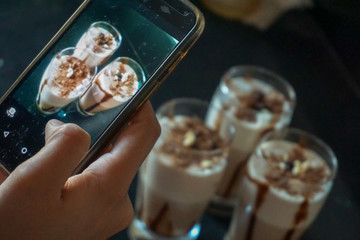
[155, 224]
[262, 191]
[300, 216]
[240, 167]
[107, 95]
[104, 99]
[263, 188]
[49, 109]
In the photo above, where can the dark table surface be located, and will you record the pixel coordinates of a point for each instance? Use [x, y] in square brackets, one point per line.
[315, 50]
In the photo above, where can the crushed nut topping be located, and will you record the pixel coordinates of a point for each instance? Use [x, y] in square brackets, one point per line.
[207, 164]
[121, 85]
[189, 139]
[193, 135]
[70, 74]
[289, 169]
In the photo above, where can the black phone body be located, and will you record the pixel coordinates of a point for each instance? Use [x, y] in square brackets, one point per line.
[101, 66]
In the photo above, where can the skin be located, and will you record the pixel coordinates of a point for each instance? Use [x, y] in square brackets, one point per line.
[41, 200]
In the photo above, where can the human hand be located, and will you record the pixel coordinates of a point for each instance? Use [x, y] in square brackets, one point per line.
[41, 200]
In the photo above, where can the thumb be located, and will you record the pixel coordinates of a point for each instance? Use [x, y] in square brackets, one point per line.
[65, 146]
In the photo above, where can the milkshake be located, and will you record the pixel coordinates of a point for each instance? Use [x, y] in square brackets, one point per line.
[112, 86]
[101, 40]
[285, 184]
[178, 178]
[65, 79]
[255, 101]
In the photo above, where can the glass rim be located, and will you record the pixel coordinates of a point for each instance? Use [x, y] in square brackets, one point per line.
[93, 70]
[110, 28]
[289, 95]
[331, 161]
[133, 64]
[290, 92]
[203, 103]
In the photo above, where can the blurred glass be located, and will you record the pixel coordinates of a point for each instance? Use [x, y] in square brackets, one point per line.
[180, 175]
[285, 185]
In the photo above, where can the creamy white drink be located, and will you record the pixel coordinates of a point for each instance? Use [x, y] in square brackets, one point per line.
[65, 79]
[179, 176]
[254, 107]
[284, 186]
[112, 86]
[101, 40]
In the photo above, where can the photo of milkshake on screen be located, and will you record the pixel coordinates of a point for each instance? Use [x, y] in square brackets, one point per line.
[65, 79]
[101, 40]
[71, 74]
[112, 86]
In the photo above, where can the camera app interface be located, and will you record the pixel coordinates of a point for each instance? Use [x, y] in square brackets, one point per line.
[91, 72]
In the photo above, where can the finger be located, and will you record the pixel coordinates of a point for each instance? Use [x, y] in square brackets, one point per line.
[66, 145]
[120, 165]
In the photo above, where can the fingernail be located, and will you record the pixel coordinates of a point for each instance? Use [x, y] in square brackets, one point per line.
[55, 123]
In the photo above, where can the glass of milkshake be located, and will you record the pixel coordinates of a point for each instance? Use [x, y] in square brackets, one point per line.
[115, 84]
[285, 185]
[180, 175]
[64, 80]
[101, 39]
[255, 101]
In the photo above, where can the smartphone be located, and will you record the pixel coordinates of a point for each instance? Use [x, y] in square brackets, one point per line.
[100, 67]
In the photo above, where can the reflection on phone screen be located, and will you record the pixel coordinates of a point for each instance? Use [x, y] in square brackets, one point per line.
[87, 77]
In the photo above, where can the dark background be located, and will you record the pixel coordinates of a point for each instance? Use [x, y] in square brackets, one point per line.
[316, 50]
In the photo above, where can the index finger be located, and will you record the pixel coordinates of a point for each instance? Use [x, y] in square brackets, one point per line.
[120, 165]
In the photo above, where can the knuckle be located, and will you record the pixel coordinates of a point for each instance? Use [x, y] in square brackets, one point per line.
[156, 129]
[95, 182]
[73, 134]
[100, 185]
[73, 131]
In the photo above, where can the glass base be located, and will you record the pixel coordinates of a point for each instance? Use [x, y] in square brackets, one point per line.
[139, 231]
[49, 111]
[82, 111]
[222, 207]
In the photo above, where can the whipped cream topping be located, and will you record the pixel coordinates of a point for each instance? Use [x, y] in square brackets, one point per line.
[191, 144]
[71, 75]
[254, 101]
[101, 39]
[294, 168]
[119, 80]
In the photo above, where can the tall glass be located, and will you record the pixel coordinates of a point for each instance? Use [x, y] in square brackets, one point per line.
[64, 80]
[101, 40]
[255, 101]
[180, 175]
[285, 185]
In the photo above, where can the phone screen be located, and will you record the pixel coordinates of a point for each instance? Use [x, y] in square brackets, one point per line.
[88, 76]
